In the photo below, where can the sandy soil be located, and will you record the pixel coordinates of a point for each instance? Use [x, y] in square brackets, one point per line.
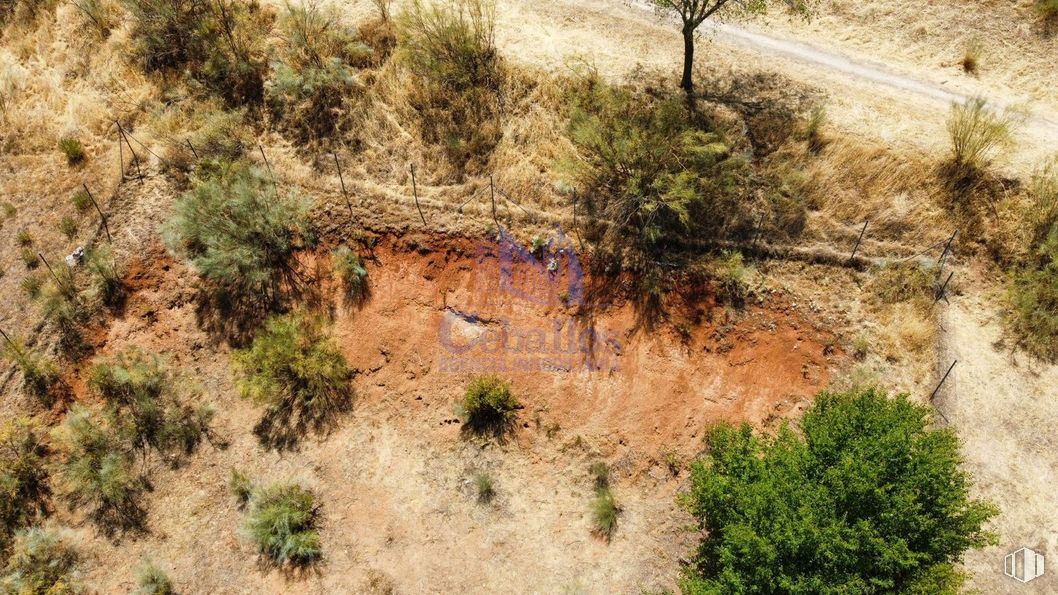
[1003, 405]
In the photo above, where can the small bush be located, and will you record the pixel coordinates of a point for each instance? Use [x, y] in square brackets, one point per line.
[1047, 10]
[451, 51]
[349, 268]
[10, 210]
[1032, 314]
[221, 137]
[241, 487]
[68, 226]
[283, 523]
[72, 149]
[63, 307]
[240, 236]
[31, 285]
[98, 471]
[143, 407]
[971, 58]
[315, 79]
[730, 277]
[221, 44]
[604, 513]
[81, 201]
[108, 284]
[600, 475]
[24, 484]
[40, 374]
[43, 561]
[297, 372]
[485, 487]
[24, 238]
[812, 131]
[654, 170]
[152, 580]
[29, 258]
[489, 405]
[977, 133]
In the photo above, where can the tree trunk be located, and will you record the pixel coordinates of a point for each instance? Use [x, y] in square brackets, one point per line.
[688, 59]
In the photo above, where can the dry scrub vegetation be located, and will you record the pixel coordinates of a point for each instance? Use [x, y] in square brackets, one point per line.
[233, 118]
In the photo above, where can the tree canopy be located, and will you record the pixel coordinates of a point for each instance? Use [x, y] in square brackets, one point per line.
[867, 498]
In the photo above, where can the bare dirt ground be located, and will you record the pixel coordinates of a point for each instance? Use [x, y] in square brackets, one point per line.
[394, 478]
[1003, 405]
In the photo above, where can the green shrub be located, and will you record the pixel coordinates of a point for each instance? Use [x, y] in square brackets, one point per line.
[221, 137]
[240, 236]
[40, 374]
[25, 238]
[283, 523]
[1032, 314]
[152, 580]
[600, 475]
[730, 277]
[81, 201]
[68, 226]
[652, 168]
[450, 50]
[72, 149]
[31, 285]
[143, 407]
[867, 498]
[221, 44]
[297, 372]
[98, 470]
[24, 484]
[1047, 10]
[489, 405]
[63, 307]
[977, 134]
[29, 258]
[43, 561]
[604, 513]
[485, 487]
[10, 210]
[241, 487]
[314, 78]
[108, 284]
[349, 268]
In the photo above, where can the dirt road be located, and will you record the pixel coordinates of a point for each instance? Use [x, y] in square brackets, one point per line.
[897, 107]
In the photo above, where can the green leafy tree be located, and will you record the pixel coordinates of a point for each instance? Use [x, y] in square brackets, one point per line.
[693, 13]
[866, 499]
[296, 371]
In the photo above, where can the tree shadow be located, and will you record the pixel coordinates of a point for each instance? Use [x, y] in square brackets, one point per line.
[282, 428]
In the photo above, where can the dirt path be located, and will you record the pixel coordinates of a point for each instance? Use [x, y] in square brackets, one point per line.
[1003, 406]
